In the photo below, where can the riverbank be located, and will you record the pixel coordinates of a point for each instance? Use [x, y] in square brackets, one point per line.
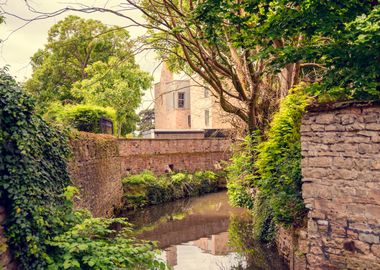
[146, 188]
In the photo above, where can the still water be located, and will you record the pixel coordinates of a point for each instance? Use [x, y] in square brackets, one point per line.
[204, 233]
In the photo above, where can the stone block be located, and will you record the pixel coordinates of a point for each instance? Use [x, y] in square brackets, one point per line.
[369, 238]
[315, 127]
[375, 249]
[361, 247]
[373, 212]
[320, 161]
[342, 162]
[373, 126]
[325, 118]
[368, 148]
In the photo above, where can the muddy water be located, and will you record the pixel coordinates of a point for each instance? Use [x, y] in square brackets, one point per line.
[204, 233]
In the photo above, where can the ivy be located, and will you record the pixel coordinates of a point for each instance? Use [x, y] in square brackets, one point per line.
[278, 162]
[42, 229]
[265, 174]
[33, 176]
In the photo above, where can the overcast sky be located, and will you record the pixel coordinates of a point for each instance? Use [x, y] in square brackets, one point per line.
[21, 41]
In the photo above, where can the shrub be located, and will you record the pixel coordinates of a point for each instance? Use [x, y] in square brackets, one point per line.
[278, 161]
[33, 177]
[272, 169]
[99, 243]
[147, 189]
[87, 117]
[264, 227]
[240, 174]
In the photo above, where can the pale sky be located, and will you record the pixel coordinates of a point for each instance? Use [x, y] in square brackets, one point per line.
[21, 42]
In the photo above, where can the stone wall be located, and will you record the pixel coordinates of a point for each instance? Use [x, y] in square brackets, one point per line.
[96, 169]
[6, 261]
[341, 185]
[158, 155]
[292, 245]
[100, 162]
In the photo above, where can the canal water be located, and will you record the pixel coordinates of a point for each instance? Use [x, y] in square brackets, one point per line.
[204, 233]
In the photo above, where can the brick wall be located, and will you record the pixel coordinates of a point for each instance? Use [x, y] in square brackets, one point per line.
[96, 169]
[100, 161]
[341, 185]
[156, 155]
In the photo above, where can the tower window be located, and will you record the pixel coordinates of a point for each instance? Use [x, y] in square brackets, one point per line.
[207, 118]
[181, 100]
[206, 92]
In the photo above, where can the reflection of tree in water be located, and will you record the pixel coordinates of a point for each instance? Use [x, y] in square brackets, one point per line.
[159, 213]
[257, 255]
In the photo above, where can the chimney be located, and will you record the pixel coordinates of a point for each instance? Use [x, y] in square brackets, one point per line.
[166, 75]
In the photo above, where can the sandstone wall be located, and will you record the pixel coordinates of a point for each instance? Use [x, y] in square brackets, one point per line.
[341, 186]
[100, 161]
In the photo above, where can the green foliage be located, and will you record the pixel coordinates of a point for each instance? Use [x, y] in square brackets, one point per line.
[264, 226]
[85, 61]
[33, 177]
[336, 43]
[116, 84]
[99, 243]
[148, 189]
[240, 173]
[278, 161]
[271, 169]
[344, 37]
[86, 117]
[42, 229]
[73, 45]
[146, 121]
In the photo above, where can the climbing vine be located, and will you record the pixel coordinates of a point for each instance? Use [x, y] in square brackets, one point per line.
[265, 175]
[42, 229]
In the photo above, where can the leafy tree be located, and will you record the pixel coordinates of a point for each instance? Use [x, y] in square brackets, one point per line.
[146, 120]
[120, 88]
[73, 45]
[340, 38]
[208, 38]
[337, 41]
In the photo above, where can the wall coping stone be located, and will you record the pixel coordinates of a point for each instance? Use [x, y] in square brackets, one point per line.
[333, 106]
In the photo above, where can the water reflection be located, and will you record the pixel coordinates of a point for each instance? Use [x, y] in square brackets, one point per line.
[204, 233]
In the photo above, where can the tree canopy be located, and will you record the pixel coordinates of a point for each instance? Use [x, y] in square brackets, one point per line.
[73, 45]
[85, 61]
[120, 88]
[147, 118]
[252, 52]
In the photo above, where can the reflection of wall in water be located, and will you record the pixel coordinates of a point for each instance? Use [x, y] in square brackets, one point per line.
[171, 256]
[217, 245]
